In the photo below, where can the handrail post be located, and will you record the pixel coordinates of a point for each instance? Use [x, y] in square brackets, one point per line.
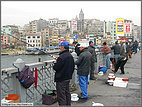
[17, 88]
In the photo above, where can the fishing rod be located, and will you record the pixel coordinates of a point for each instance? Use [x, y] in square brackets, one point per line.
[29, 44]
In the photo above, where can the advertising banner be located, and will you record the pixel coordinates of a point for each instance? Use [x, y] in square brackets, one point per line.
[128, 28]
[120, 26]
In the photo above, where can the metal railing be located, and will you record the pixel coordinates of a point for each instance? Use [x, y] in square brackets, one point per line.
[11, 85]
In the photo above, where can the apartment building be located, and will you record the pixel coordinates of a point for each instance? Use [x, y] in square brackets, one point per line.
[36, 25]
[10, 31]
[54, 38]
[46, 34]
[96, 27]
[33, 40]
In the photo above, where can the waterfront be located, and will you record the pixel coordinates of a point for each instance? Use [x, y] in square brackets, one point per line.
[7, 60]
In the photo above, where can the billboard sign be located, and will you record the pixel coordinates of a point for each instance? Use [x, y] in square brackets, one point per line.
[127, 27]
[120, 26]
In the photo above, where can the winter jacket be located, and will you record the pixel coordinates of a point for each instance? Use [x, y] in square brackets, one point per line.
[94, 56]
[77, 50]
[64, 66]
[122, 51]
[84, 62]
[116, 49]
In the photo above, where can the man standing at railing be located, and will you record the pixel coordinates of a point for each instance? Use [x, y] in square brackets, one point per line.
[107, 52]
[76, 45]
[91, 49]
[83, 68]
[64, 68]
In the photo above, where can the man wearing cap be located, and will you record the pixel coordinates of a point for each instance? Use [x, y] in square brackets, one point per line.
[91, 49]
[83, 63]
[64, 68]
[76, 44]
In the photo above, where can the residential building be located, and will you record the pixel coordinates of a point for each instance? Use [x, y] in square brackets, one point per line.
[46, 34]
[53, 21]
[96, 27]
[139, 33]
[113, 32]
[54, 40]
[33, 40]
[36, 25]
[135, 34]
[11, 31]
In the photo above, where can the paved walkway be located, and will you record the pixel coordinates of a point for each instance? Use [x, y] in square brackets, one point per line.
[99, 92]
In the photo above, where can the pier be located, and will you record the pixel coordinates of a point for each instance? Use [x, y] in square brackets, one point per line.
[98, 91]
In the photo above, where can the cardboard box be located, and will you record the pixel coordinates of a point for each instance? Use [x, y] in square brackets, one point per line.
[120, 83]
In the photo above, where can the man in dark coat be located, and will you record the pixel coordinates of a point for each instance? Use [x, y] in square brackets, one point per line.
[64, 68]
[83, 68]
[91, 49]
[76, 45]
[116, 49]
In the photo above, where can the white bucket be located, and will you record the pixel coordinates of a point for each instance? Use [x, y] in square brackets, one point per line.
[74, 97]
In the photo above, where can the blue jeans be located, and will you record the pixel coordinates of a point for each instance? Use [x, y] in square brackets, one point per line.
[108, 60]
[83, 83]
[135, 51]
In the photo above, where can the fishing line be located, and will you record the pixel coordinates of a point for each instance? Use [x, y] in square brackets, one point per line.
[29, 44]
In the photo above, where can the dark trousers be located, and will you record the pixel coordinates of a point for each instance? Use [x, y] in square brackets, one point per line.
[92, 70]
[63, 93]
[120, 63]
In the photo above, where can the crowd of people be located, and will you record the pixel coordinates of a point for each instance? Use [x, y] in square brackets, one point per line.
[84, 61]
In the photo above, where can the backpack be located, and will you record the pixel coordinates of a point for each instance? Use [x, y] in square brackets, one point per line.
[25, 77]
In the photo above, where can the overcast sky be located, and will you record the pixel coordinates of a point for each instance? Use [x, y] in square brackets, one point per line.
[21, 12]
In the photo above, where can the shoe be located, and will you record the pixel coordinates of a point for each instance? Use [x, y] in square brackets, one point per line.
[122, 73]
[81, 97]
[93, 78]
[80, 94]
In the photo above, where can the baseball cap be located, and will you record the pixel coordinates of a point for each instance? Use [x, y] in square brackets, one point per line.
[64, 43]
[90, 42]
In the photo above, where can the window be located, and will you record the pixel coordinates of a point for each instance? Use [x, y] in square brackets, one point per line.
[38, 40]
[30, 40]
[29, 37]
[33, 36]
[33, 41]
[39, 44]
[38, 36]
[33, 44]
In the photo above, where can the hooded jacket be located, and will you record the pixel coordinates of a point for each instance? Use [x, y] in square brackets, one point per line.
[84, 62]
[94, 56]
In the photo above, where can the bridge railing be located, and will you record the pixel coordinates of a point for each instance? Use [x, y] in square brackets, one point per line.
[11, 85]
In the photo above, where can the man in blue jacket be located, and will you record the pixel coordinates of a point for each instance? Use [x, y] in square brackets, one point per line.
[64, 68]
